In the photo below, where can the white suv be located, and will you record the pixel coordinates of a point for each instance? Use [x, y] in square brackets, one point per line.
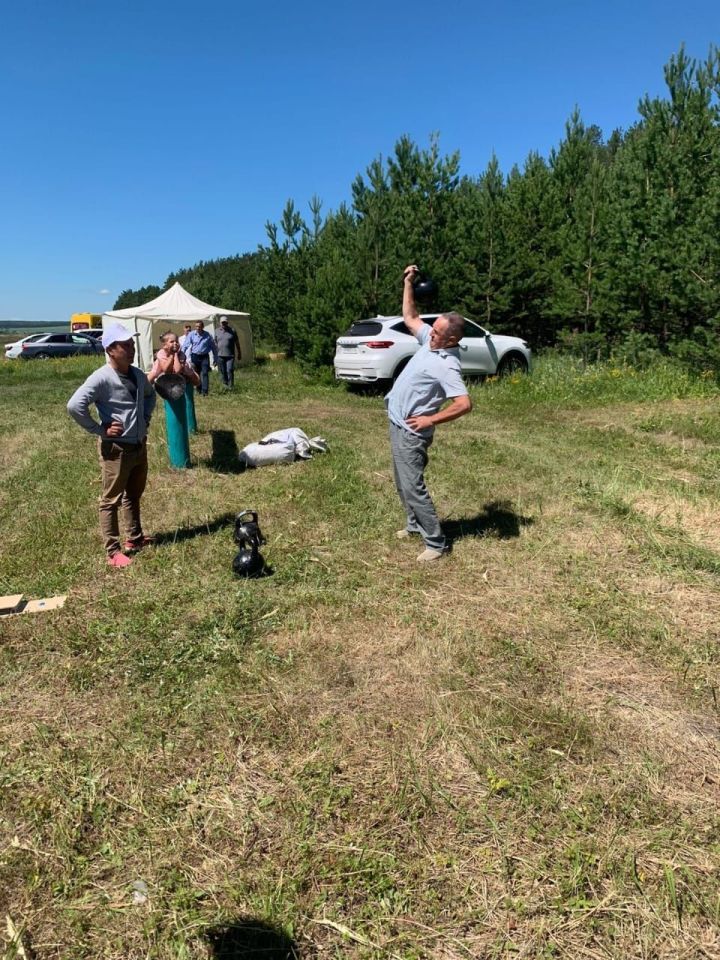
[378, 349]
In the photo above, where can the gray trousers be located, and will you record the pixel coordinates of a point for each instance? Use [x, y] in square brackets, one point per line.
[409, 453]
[226, 366]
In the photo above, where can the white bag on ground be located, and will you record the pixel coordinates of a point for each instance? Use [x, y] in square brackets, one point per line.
[282, 446]
[265, 454]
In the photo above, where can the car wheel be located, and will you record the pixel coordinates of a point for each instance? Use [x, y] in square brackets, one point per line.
[512, 363]
[42, 356]
[399, 368]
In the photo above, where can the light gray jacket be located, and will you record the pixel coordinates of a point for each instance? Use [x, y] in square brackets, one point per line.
[114, 401]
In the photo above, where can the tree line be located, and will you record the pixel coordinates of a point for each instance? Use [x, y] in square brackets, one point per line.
[607, 245]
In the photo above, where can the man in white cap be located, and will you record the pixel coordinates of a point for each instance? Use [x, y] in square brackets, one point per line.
[124, 400]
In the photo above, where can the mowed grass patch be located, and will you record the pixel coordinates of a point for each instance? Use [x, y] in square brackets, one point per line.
[514, 753]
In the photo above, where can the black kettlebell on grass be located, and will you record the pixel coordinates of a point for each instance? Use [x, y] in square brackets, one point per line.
[249, 562]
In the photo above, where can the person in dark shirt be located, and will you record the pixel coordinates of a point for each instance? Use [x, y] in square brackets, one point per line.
[228, 346]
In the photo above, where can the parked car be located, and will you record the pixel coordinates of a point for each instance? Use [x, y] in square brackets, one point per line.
[60, 345]
[13, 350]
[94, 332]
[378, 350]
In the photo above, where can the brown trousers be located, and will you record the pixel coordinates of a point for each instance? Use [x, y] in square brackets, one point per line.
[124, 472]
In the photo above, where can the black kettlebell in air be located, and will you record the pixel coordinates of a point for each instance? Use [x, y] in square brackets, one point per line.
[424, 289]
[249, 562]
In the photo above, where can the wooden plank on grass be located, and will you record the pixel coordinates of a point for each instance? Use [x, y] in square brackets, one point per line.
[10, 603]
[11, 606]
[48, 603]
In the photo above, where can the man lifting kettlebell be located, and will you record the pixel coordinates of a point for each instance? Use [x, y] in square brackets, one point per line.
[415, 408]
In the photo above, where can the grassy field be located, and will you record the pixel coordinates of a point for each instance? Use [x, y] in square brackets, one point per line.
[512, 754]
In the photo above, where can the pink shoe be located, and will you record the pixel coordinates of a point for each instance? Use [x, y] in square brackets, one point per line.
[118, 560]
[138, 544]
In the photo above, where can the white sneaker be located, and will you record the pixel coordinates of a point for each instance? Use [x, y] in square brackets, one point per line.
[404, 534]
[429, 555]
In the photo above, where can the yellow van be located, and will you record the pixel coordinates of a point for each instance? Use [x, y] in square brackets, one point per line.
[85, 321]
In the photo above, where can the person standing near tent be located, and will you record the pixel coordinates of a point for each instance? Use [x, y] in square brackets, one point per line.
[198, 346]
[124, 400]
[228, 345]
[184, 335]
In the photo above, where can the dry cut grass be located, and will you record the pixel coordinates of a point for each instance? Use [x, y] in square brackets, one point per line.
[513, 754]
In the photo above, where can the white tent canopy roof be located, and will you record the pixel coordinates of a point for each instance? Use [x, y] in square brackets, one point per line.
[175, 304]
[169, 311]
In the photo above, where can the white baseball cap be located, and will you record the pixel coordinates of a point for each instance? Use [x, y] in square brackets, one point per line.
[115, 333]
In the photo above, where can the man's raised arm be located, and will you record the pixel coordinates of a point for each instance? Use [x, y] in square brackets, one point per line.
[410, 313]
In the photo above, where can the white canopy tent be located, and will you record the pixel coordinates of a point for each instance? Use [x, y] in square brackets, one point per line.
[170, 311]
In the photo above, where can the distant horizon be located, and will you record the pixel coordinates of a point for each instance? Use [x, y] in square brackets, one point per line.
[13, 326]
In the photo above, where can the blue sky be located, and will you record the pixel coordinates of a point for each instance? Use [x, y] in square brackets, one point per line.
[142, 137]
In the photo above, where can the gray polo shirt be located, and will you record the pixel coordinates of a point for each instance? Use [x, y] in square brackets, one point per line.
[115, 398]
[430, 378]
[227, 341]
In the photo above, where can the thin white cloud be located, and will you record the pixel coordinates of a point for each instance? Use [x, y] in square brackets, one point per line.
[104, 292]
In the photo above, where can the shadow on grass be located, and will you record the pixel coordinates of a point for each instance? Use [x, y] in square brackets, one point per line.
[496, 519]
[225, 452]
[200, 530]
[378, 389]
[251, 939]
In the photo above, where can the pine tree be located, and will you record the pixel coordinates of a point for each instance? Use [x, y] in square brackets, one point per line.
[665, 208]
[532, 217]
[135, 298]
[579, 174]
